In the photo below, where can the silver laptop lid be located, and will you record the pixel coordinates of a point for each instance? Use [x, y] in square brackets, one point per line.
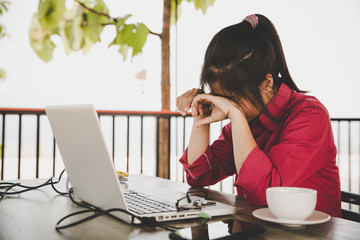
[87, 161]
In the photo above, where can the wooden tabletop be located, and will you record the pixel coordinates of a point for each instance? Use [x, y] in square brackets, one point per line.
[34, 214]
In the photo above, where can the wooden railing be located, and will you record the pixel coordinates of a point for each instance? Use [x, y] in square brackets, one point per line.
[142, 117]
[133, 139]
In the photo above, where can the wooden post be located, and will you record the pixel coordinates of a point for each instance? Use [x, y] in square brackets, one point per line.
[163, 165]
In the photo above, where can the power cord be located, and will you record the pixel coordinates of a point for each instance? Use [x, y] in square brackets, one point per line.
[149, 221]
[7, 188]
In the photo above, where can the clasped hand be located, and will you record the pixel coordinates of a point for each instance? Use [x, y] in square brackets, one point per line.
[211, 108]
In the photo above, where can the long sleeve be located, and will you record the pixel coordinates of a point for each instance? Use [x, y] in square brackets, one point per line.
[303, 149]
[215, 164]
[295, 147]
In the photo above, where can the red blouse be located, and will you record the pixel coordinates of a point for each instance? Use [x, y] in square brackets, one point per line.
[296, 150]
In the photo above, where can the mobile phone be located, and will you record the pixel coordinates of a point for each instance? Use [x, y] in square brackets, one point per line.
[220, 230]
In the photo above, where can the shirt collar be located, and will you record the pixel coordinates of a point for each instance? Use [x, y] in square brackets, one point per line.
[277, 107]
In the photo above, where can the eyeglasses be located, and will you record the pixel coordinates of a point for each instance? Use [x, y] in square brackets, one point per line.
[193, 201]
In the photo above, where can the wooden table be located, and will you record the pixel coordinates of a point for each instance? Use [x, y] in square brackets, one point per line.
[33, 215]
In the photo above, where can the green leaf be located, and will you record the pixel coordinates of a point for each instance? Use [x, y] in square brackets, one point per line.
[202, 4]
[62, 26]
[92, 24]
[3, 9]
[72, 35]
[99, 7]
[75, 35]
[87, 45]
[50, 13]
[92, 32]
[3, 6]
[2, 77]
[131, 36]
[65, 28]
[2, 31]
[121, 20]
[40, 40]
[76, 11]
[199, 4]
[139, 38]
[173, 16]
[123, 50]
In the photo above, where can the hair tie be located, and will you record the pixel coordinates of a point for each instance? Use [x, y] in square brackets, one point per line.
[252, 19]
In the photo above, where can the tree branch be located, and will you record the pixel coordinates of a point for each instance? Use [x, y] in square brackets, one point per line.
[92, 10]
[109, 17]
[156, 34]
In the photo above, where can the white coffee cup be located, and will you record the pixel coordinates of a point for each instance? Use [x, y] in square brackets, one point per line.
[291, 203]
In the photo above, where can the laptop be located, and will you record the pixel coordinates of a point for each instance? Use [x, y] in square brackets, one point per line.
[92, 174]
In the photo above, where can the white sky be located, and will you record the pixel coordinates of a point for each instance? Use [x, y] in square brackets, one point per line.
[320, 39]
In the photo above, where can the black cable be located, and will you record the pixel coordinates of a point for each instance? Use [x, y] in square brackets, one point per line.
[7, 189]
[27, 188]
[10, 185]
[144, 220]
[53, 184]
[149, 221]
[82, 204]
[77, 222]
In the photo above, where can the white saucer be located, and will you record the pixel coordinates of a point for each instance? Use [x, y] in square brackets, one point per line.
[315, 218]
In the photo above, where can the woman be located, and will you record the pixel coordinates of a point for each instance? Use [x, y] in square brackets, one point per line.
[277, 135]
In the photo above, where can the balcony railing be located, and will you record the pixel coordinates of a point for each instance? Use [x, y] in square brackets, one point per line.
[28, 149]
[130, 135]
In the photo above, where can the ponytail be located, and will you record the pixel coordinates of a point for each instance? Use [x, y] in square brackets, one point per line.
[280, 72]
[241, 55]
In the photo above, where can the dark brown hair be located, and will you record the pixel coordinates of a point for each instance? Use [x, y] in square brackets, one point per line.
[239, 58]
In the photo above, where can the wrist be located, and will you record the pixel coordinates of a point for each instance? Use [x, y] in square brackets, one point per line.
[236, 114]
[198, 118]
[201, 126]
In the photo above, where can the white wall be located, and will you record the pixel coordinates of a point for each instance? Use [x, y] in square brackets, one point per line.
[320, 39]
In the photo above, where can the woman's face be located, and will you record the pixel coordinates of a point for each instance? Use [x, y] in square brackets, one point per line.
[247, 107]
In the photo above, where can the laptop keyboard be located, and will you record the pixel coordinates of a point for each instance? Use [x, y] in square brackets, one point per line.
[142, 204]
